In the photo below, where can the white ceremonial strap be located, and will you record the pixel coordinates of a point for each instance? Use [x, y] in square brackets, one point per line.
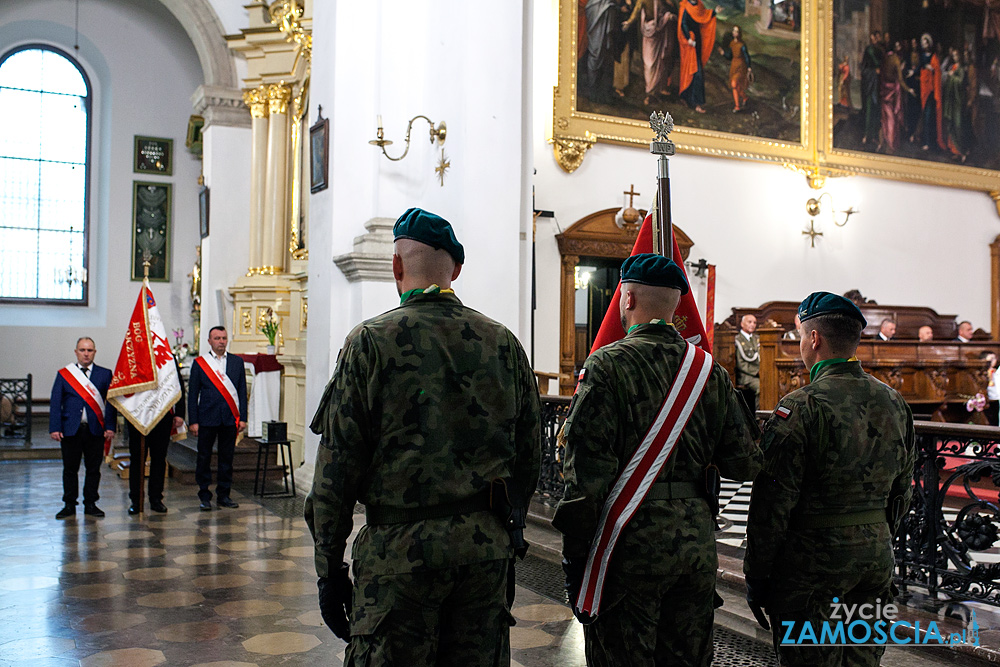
[642, 470]
[82, 385]
[224, 385]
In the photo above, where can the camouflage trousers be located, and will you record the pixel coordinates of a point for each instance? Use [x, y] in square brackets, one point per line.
[456, 616]
[654, 621]
[857, 588]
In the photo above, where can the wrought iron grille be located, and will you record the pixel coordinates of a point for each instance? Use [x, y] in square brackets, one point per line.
[15, 408]
[941, 543]
[550, 481]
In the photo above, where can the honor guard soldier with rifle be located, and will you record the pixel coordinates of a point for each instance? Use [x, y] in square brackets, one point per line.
[431, 421]
[838, 467]
[653, 422]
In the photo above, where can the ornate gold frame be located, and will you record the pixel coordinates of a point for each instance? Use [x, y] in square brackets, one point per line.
[575, 132]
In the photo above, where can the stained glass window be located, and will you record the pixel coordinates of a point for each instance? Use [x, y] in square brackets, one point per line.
[44, 138]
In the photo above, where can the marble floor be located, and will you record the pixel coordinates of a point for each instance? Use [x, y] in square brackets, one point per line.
[226, 588]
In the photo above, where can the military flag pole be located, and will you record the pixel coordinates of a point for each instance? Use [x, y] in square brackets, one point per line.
[663, 229]
[141, 500]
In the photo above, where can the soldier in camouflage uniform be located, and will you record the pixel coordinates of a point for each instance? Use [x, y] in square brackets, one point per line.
[838, 464]
[429, 403]
[657, 604]
[748, 360]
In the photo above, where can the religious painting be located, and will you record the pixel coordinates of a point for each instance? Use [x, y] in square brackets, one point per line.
[152, 155]
[731, 73]
[319, 143]
[918, 80]
[151, 230]
[203, 202]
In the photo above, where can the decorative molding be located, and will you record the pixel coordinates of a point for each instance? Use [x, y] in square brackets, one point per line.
[220, 106]
[570, 152]
[371, 259]
[995, 196]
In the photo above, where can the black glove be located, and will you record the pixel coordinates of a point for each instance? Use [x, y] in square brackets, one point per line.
[574, 569]
[335, 601]
[758, 591]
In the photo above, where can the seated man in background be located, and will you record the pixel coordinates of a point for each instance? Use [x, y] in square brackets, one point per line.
[887, 330]
[794, 333]
[925, 334]
[964, 332]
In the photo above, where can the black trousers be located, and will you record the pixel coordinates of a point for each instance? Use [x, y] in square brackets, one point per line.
[156, 449]
[90, 448]
[207, 436]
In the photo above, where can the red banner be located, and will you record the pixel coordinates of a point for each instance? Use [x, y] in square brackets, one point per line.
[687, 320]
[136, 367]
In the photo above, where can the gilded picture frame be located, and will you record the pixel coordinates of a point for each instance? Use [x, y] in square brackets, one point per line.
[579, 122]
[842, 120]
[151, 212]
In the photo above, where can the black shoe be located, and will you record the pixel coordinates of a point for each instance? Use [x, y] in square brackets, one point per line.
[228, 502]
[93, 510]
[158, 506]
[206, 506]
[66, 512]
[133, 510]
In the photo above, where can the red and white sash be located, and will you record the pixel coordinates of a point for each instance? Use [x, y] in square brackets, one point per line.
[85, 389]
[223, 384]
[642, 469]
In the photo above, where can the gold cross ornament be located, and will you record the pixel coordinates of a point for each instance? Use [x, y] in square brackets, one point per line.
[443, 165]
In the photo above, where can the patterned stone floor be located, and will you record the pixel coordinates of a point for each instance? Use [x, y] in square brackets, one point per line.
[225, 588]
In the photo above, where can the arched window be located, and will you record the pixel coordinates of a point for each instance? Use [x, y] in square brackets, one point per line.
[44, 145]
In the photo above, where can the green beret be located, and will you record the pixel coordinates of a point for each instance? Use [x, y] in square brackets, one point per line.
[824, 303]
[656, 270]
[429, 229]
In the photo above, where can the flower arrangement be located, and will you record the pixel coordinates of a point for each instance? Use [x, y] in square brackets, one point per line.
[977, 403]
[180, 349]
[270, 322]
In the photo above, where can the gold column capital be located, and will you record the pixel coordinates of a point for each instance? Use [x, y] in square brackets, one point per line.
[256, 101]
[278, 96]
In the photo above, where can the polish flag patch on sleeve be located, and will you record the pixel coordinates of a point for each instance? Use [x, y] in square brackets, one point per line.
[783, 411]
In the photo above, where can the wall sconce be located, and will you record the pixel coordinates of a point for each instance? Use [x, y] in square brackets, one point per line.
[581, 278]
[814, 208]
[438, 133]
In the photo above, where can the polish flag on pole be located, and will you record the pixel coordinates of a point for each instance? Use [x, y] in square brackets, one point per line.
[145, 384]
[687, 319]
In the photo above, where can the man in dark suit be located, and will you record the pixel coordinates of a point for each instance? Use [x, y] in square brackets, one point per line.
[80, 420]
[217, 408]
[157, 443]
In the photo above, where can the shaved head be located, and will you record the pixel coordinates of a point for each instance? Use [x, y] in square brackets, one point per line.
[417, 265]
[641, 303]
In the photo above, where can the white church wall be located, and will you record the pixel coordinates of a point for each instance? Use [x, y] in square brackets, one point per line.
[909, 244]
[225, 252]
[370, 59]
[143, 69]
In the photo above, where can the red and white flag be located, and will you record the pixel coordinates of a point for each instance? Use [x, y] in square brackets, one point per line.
[145, 385]
[687, 319]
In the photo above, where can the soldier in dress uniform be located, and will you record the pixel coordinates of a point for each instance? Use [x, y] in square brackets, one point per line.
[657, 600]
[431, 405]
[748, 360]
[838, 464]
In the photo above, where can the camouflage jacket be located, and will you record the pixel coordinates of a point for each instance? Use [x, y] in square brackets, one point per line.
[428, 404]
[623, 387]
[842, 444]
[747, 357]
